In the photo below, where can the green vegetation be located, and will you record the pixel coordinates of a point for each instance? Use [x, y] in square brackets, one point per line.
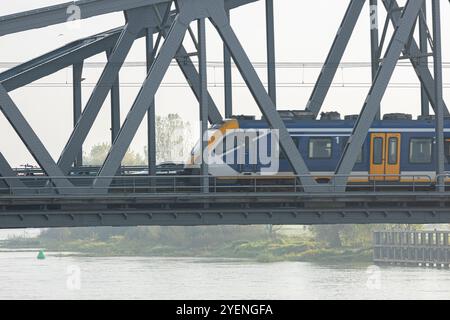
[324, 244]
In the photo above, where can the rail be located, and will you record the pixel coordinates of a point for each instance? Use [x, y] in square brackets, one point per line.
[193, 184]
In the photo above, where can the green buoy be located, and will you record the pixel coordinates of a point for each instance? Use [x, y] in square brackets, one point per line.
[41, 255]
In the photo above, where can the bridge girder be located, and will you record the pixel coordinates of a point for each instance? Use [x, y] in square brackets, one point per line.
[223, 209]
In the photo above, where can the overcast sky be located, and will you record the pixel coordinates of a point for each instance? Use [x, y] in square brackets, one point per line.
[305, 30]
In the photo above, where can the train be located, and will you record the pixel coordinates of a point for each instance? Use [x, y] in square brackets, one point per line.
[397, 148]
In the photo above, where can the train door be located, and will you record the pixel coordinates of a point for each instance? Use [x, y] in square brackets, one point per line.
[385, 156]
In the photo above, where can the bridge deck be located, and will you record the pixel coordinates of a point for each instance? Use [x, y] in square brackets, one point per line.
[165, 204]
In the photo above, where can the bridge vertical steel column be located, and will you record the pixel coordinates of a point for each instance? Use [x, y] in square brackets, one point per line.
[423, 43]
[397, 44]
[437, 54]
[228, 79]
[271, 61]
[374, 43]
[334, 57]
[151, 114]
[77, 72]
[265, 103]
[203, 71]
[115, 104]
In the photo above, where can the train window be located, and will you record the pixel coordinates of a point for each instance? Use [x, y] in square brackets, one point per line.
[320, 148]
[420, 150]
[393, 151]
[447, 149]
[343, 143]
[377, 151]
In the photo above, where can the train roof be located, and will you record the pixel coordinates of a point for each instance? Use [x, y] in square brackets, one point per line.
[257, 124]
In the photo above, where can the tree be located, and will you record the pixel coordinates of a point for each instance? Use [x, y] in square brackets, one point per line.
[173, 138]
[98, 154]
[329, 234]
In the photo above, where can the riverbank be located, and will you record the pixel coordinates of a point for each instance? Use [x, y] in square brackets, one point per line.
[268, 250]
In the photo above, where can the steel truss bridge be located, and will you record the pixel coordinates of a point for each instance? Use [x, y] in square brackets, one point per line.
[57, 198]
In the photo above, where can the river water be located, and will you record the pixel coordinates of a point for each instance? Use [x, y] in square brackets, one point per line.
[22, 276]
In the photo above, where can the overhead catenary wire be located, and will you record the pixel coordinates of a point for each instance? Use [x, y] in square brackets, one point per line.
[214, 65]
[398, 85]
[256, 64]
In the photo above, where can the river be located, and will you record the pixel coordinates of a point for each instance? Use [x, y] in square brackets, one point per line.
[66, 276]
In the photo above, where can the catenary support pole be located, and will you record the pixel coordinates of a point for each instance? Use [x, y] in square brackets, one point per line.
[202, 61]
[151, 114]
[115, 106]
[374, 42]
[437, 53]
[423, 44]
[228, 80]
[77, 73]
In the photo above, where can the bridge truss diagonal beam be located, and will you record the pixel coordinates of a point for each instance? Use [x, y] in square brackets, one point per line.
[271, 59]
[140, 106]
[370, 109]
[58, 59]
[51, 15]
[32, 142]
[78, 51]
[221, 22]
[98, 96]
[192, 76]
[61, 13]
[219, 19]
[334, 57]
[414, 53]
